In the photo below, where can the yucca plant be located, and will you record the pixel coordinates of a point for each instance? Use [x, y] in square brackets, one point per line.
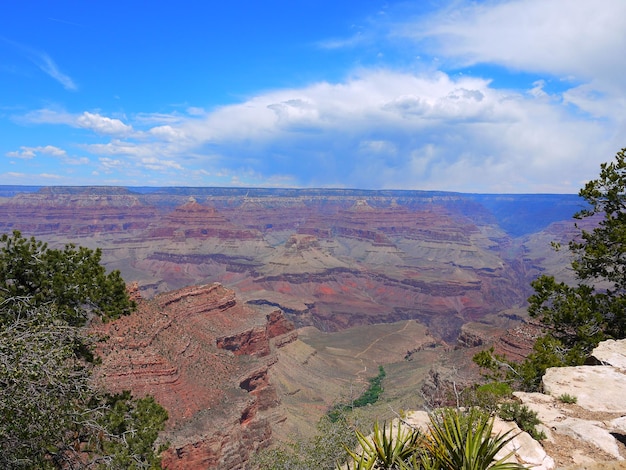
[385, 449]
[463, 441]
[455, 440]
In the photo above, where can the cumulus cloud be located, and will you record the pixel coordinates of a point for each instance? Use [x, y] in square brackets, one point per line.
[28, 153]
[87, 120]
[420, 129]
[102, 124]
[377, 129]
[168, 133]
[385, 129]
[109, 165]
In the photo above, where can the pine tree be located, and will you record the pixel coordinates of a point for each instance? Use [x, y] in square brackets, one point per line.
[50, 414]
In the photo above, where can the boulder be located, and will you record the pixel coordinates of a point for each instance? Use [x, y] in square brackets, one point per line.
[610, 353]
[596, 388]
[523, 448]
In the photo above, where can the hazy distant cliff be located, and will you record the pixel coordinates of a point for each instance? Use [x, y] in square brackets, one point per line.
[329, 258]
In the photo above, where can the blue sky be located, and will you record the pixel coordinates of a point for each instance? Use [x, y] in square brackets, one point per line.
[510, 96]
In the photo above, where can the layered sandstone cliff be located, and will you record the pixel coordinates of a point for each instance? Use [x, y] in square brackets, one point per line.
[205, 357]
[333, 259]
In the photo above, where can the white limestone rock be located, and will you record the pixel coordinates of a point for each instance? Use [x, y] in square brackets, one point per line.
[617, 425]
[611, 353]
[524, 449]
[591, 432]
[596, 388]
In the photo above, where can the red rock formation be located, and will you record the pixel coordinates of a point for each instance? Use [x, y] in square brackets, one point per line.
[193, 220]
[220, 403]
[517, 343]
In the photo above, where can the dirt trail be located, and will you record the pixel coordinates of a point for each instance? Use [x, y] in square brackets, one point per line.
[406, 325]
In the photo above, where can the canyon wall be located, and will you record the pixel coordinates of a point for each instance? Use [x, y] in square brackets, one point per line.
[205, 357]
[333, 259]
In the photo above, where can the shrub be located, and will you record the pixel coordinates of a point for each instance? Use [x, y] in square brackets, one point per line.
[386, 448]
[321, 452]
[523, 416]
[370, 396]
[567, 398]
[487, 396]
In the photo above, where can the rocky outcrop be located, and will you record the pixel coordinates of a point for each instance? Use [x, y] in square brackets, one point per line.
[193, 220]
[580, 435]
[517, 343]
[179, 348]
[514, 342]
[582, 411]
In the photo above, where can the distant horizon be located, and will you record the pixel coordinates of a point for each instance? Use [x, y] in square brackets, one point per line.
[475, 97]
[273, 188]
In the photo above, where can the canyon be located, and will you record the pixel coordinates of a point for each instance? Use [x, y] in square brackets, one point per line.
[258, 309]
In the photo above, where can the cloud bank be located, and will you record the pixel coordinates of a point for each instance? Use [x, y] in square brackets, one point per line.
[444, 123]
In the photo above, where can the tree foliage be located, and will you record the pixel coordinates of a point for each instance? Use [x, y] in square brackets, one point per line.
[577, 317]
[369, 396]
[50, 414]
[31, 274]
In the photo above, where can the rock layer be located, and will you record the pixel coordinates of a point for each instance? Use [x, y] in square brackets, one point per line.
[329, 258]
[220, 402]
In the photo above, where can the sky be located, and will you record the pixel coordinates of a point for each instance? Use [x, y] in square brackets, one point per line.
[495, 96]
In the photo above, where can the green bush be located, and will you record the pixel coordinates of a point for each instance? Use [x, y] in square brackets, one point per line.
[50, 414]
[487, 396]
[370, 396]
[523, 416]
[567, 398]
[321, 452]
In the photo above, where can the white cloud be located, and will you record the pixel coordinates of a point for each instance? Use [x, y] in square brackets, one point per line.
[103, 124]
[377, 129]
[153, 163]
[537, 89]
[352, 41]
[91, 121]
[425, 129]
[45, 63]
[378, 147]
[383, 129]
[168, 133]
[109, 165]
[565, 38]
[47, 116]
[28, 153]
